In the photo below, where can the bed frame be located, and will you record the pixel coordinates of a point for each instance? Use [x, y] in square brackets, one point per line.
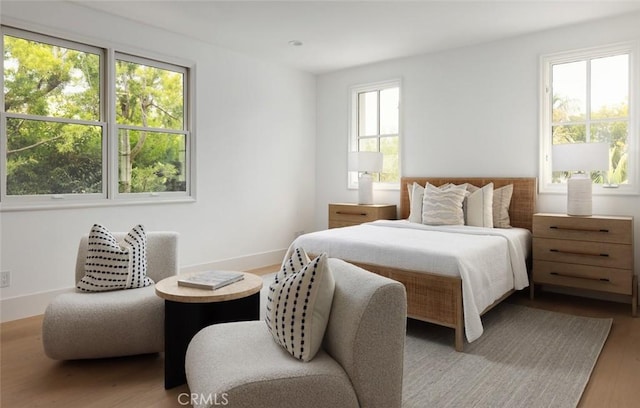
[436, 298]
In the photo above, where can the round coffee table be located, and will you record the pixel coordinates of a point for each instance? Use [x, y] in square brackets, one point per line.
[188, 310]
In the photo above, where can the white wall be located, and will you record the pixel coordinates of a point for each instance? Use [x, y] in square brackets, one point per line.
[465, 112]
[255, 124]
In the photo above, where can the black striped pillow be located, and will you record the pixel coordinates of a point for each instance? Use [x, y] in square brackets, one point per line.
[113, 265]
[294, 261]
[299, 304]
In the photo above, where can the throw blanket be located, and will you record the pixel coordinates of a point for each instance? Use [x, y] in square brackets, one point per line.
[489, 261]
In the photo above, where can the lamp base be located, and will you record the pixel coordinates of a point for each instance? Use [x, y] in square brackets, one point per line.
[365, 189]
[579, 195]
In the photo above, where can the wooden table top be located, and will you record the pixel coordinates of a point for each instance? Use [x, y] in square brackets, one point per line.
[168, 289]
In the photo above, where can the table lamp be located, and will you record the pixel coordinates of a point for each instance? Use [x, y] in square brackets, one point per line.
[365, 163]
[580, 158]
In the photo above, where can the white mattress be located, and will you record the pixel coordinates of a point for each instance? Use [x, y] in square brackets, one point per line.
[490, 261]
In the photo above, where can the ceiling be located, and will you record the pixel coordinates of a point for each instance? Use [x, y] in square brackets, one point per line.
[342, 34]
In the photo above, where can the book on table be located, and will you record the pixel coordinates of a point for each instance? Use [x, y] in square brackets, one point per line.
[211, 279]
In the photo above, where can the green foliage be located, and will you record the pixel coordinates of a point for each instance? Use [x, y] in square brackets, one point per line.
[609, 124]
[48, 157]
[148, 96]
[160, 155]
[391, 167]
[53, 158]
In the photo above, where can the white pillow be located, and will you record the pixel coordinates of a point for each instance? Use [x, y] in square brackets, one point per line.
[501, 202]
[294, 261]
[299, 304]
[416, 195]
[479, 206]
[443, 206]
[415, 205]
[113, 265]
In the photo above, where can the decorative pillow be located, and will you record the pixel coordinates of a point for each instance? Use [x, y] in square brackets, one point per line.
[501, 202]
[443, 206]
[416, 195]
[415, 205]
[294, 261]
[299, 304]
[479, 206]
[113, 265]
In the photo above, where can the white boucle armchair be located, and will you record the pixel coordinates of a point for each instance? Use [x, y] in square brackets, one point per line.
[116, 323]
[359, 365]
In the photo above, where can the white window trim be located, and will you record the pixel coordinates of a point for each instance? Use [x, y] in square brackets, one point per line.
[545, 140]
[352, 178]
[113, 162]
[110, 195]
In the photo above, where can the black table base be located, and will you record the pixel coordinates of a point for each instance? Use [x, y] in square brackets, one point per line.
[183, 320]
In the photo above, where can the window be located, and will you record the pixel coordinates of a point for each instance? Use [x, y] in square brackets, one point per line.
[375, 127]
[85, 123]
[152, 138]
[588, 96]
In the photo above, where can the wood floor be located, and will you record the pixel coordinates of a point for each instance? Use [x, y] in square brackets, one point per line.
[29, 379]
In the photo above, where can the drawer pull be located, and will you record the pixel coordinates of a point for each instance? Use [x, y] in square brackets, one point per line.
[361, 214]
[568, 275]
[578, 253]
[605, 230]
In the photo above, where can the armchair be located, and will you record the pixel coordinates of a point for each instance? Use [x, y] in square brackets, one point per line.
[116, 323]
[359, 365]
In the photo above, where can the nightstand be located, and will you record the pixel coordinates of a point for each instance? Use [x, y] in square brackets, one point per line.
[346, 214]
[594, 253]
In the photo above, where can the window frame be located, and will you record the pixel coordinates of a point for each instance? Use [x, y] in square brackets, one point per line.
[545, 116]
[110, 194]
[121, 56]
[352, 146]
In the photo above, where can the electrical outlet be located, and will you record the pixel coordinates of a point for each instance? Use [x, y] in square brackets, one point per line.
[5, 279]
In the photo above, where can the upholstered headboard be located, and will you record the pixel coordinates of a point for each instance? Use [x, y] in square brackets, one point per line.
[523, 200]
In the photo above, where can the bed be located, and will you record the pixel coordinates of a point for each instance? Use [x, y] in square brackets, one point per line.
[384, 247]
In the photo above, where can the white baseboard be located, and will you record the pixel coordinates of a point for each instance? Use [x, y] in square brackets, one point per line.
[33, 304]
[243, 263]
[20, 307]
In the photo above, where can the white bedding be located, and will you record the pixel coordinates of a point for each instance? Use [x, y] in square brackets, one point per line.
[490, 261]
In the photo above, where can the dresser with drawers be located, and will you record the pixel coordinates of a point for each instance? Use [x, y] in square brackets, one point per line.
[346, 214]
[593, 253]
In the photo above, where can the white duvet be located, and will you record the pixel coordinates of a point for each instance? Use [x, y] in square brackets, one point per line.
[490, 261]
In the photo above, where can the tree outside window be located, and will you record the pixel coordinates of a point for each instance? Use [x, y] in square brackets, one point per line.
[151, 137]
[586, 98]
[53, 123]
[376, 126]
[57, 117]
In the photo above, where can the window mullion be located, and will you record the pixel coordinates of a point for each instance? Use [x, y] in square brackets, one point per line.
[588, 101]
[111, 142]
[54, 119]
[378, 118]
[152, 129]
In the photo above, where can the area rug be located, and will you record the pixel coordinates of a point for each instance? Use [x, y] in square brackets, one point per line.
[526, 358]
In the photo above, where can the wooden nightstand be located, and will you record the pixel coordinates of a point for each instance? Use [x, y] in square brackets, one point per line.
[345, 214]
[594, 253]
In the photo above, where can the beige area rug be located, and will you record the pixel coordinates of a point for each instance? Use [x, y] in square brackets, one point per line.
[525, 358]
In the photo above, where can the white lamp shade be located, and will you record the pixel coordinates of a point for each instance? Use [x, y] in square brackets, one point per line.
[580, 157]
[368, 162]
